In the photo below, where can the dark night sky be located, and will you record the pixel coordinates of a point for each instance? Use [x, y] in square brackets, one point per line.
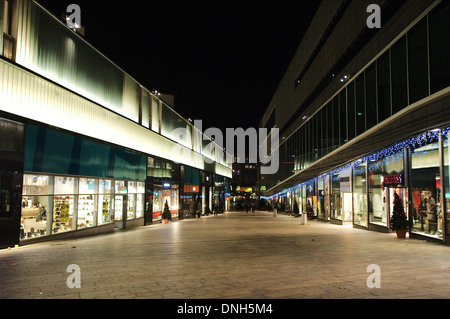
[223, 60]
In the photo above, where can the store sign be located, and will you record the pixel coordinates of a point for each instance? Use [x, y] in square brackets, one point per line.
[393, 179]
[191, 188]
[166, 185]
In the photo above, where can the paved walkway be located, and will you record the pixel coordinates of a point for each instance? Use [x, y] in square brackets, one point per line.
[233, 255]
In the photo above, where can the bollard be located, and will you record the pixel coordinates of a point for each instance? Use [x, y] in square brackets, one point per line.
[303, 219]
[274, 212]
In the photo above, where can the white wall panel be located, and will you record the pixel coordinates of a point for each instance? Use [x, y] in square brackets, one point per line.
[29, 96]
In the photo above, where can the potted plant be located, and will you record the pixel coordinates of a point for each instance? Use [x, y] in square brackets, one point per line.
[166, 215]
[399, 221]
[296, 210]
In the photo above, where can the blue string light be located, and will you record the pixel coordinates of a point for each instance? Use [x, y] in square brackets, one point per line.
[414, 142]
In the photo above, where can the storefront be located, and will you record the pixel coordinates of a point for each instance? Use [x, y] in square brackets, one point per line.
[56, 204]
[341, 201]
[362, 193]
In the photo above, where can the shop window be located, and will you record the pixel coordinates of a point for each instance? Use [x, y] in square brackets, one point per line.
[384, 87]
[384, 175]
[87, 203]
[66, 191]
[335, 198]
[371, 96]
[399, 75]
[105, 201]
[439, 47]
[446, 209]
[359, 196]
[119, 199]
[426, 194]
[37, 206]
[418, 61]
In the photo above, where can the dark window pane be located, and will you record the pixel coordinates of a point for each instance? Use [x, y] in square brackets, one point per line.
[308, 143]
[399, 75]
[323, 132]
[371, 96]
[335, 122]
[439, 23]
[418, 62]
[329, 126]
[384, 87]
[360, 105]
[343, 117]
[351, 110]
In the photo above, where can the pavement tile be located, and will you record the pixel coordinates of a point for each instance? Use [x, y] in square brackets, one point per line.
[232, 255]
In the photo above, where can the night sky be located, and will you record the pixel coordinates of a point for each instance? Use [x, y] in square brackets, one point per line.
[223, 60]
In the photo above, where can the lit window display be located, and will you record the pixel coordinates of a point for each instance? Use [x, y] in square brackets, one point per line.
[426, 191]
[120, 192]
[359, 196]
[37, 206]
[335, 198]
[55, 204]
[66, 190]
[140, 191]
[105, 201]
[446, 152]
[87, 202]
[386, 176]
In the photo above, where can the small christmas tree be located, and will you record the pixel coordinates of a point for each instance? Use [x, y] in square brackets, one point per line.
[166, 213]
[399, 220]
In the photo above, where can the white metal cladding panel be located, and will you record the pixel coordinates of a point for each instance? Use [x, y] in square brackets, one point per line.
[29, 96]
[47, 47]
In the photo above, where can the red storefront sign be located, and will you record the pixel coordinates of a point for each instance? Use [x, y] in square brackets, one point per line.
[393, 179]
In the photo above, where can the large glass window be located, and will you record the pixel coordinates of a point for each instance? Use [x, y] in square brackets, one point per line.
[351, 110]
[384, 174]
[105, 201]
[439, 47]
[336, 118]
[329, 127]
[359, 196]
[360, 105]
[384, 87]
[418, 61]
[87, 203]
[37, 206]
[399, 75]
[64, 201]
[371, 96]
[343, 117]
[120, 188]
[426, 191]
[446, 217]
[335, 197]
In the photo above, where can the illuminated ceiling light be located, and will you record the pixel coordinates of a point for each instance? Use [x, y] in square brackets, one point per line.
[345, 78]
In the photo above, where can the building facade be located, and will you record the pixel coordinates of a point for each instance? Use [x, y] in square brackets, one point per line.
[85, 148]
[364, 116]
